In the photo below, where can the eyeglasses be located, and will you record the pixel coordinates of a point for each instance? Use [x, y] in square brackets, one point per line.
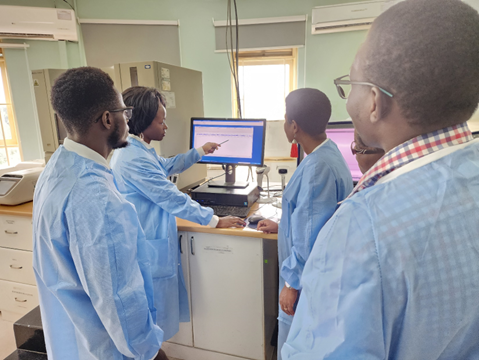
[128, 112]
[364, 151]
[344, 86]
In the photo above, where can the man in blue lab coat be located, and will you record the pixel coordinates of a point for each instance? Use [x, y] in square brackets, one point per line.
[394, 274]
[312, 195]
[89, 253]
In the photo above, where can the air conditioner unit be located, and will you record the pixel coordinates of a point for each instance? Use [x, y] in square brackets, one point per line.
[37, 23]
[345, 17]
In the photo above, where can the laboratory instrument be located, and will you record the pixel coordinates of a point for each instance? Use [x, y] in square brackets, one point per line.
[17, 187]
[283, 172]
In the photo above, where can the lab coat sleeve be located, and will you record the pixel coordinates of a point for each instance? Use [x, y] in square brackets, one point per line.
[340, 311]
[149, 181]
[316, 203]
[179, 163]
[104, 237]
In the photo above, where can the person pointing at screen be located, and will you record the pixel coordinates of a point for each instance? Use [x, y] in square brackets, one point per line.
[142, 178]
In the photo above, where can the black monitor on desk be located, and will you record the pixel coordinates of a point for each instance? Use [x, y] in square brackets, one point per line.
[242, 143]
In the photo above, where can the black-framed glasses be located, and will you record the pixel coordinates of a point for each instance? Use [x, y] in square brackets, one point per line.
[343, 86]
[128, 112]
[363, 151]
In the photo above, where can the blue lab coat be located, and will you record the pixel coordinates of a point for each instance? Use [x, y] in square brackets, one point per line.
[309, 200]
[158, 203]
[395, 273]
[90, 259]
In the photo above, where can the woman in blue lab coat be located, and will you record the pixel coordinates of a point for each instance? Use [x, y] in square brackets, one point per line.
[310, 198]
[143, 176]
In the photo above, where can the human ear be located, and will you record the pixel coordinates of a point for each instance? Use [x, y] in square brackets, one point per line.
[380, 105]
[107, 120]
[295, 127]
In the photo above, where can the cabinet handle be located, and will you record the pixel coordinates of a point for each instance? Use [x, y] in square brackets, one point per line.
[11, 232]
[22, 301]
[191, 243]
[16, 267]
[179, 240]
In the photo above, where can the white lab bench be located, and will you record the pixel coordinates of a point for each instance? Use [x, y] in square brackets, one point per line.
[231, 277]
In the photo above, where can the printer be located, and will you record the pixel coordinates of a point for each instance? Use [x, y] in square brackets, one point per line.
[17, 187]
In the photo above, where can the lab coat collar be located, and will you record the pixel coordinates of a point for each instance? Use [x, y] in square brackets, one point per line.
[143, 142]
[425, 160]
[85, 151]
[317, 147]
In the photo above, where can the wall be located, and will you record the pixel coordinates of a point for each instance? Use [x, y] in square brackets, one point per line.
[324, 57]
[20, 63]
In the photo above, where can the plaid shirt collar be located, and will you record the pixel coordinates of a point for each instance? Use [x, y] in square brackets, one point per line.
[412, 150]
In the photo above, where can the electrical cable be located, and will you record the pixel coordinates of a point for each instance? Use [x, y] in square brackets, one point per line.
[233, 56]
[206, 182]
[65, 1]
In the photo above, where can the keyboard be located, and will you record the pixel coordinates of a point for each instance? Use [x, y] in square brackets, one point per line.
[239, 211]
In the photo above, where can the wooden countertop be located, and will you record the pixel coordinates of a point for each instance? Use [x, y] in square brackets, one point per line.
[268, 211]
[22, 209]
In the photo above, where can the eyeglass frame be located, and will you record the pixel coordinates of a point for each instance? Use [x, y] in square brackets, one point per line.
[369, 151]
[118, 110]
[339, 81]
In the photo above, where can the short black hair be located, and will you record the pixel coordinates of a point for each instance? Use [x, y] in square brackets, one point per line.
[426, 52]
[82, 94]
[145, 103]
[310, 108]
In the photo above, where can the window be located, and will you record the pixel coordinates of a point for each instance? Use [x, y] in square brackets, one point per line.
[265, 79]
[9, 148]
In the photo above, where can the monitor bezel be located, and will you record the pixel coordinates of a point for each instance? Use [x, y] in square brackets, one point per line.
[340, 125]
[229, 119]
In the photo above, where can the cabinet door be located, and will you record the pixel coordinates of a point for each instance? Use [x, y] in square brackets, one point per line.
[16, 265]
[185, 335]
[16, 232]
[227, 294]
[17, 298]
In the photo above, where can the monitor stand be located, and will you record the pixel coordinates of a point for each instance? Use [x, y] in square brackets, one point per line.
[230, 180]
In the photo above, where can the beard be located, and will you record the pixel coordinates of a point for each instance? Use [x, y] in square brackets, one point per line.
[115, 140]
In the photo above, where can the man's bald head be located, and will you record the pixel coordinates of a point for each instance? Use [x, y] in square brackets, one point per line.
[426, 52]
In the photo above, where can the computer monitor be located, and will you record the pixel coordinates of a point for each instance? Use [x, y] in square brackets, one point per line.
[242, 143]
[342, 133]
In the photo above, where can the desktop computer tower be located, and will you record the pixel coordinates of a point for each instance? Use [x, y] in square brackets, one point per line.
[183, 90]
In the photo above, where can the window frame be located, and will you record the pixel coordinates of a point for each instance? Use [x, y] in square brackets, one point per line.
[267, 57]
[14, 141]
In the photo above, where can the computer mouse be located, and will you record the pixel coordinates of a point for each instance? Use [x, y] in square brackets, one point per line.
[254, 219]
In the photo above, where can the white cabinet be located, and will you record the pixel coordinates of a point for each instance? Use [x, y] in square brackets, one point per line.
[185, 335]
[16, 265]
[16, 232]
[233, 297]
[16, 298]
[18, 293]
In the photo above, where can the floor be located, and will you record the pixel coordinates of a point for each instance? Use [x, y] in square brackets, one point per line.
[7, 340]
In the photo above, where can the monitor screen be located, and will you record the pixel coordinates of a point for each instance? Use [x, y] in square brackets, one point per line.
[242, 140]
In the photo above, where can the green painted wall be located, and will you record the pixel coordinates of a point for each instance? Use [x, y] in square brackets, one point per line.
[324, 57]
